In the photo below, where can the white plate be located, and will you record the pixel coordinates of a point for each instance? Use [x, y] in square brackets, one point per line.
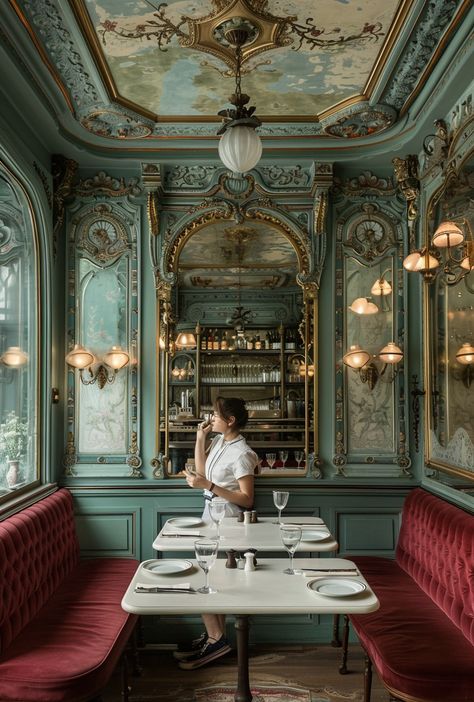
[184, 522]
[314, 535]
[166, 566]
[336, 587]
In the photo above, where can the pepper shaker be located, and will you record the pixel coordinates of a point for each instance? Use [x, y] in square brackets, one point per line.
[231, 560]
[247, 516]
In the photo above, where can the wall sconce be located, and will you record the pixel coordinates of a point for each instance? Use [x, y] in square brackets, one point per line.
[100, 370]
[366, 364]
[185, 340]
[465, 356]
[14, 357]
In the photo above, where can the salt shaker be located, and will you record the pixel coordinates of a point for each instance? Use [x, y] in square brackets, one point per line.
[240, 517]
[247, 517]
[249, 561]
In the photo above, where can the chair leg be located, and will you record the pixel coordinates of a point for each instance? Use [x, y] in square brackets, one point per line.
[367, 679]
[345, 646]
[335, 631]
[136, 667]
[125, 686]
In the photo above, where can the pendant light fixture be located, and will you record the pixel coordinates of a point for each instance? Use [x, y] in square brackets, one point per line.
[240, 148]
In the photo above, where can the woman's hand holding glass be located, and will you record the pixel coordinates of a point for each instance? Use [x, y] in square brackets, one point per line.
[206, 554]
[217, 508]
[290, 536]
[280, 500]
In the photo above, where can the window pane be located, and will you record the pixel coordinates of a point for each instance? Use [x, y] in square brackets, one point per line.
[18, 345]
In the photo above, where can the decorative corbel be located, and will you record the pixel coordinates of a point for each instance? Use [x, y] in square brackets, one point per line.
[63, 171]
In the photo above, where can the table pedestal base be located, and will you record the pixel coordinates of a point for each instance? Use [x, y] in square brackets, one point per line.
[242, 693]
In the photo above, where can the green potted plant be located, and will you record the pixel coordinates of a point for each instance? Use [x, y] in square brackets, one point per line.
[13, 443]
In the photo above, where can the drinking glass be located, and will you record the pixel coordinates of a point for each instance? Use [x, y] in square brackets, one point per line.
[299, 455]
[206, 554]
[271, 459]
[280, 500]
[290, 536]
[217, 507]
[283, 455]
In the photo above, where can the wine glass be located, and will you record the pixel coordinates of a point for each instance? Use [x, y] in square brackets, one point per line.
[280, 500]
[217, 508]
[299, 455]
[271, 459]
[290, 536]
[283, 455]
[206, 554]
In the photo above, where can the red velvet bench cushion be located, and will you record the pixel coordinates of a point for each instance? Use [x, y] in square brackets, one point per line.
[416, 649]
[62, 628]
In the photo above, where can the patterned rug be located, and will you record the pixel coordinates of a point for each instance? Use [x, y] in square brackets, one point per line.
[273, 693]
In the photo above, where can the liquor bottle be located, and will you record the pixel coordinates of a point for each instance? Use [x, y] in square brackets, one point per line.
[224, 342]
[217, 341]
[210, 340]
[258, 343]
[204, 340]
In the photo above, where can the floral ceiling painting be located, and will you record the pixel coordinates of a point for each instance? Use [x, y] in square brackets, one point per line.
[302, 59]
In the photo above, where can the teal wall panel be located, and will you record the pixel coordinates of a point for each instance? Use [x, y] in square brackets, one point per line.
[109, 531]
[373, 533]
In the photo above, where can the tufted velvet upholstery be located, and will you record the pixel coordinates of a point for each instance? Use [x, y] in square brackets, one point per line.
[421, 639]
[62, 629]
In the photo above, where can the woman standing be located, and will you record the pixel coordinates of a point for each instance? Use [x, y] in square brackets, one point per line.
[224, 468]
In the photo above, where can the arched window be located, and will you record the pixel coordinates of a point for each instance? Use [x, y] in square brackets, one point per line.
[19, 352]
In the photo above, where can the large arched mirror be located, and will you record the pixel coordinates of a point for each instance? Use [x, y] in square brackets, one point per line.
[238, 320]
[450, 330]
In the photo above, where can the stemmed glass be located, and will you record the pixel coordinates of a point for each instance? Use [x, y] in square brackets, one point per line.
[271, 459]
[283, 455]
[280, 500]
[290, 536]
[299, 455]
[217, 509]
[206, 554]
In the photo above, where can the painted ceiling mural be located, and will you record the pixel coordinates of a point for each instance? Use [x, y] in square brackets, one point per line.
[140, 70]
[330, 50]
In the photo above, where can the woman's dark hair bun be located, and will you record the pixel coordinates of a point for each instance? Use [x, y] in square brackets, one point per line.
[232, 407]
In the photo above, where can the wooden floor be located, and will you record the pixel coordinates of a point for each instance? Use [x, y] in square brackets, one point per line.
[314, 668]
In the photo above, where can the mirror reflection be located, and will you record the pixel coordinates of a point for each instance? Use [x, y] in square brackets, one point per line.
[451, 333]
[238, 303]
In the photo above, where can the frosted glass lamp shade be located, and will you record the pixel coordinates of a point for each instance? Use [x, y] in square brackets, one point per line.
[468, 261]
[447, 234]
[185, 340]
[465, 354]
[240, 148]
[116, 358]
[14, 357]
[381, 287]
[356, 357]
[410, 262]
[362, 305]
[426, 262]
[80, 357]
[391, 353]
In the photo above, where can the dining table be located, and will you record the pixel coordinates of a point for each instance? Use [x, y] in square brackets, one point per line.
[179, 534]
[326, 585]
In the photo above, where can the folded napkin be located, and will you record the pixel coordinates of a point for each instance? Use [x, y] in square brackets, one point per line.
[322, 572]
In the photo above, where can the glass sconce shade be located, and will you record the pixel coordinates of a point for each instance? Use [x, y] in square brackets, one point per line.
[80, 357]
[447, 234]
[116, 358]
[185, 340]
[14, 357]
[426, 262]
[361, 305]
[411, 261]
[391, 353]
[240, 148]
[468, 261]
[356, 357]
[381, 287]
[465, 354]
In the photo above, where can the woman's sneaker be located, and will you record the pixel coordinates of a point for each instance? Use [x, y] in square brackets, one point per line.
[184, 651]
[209, 652]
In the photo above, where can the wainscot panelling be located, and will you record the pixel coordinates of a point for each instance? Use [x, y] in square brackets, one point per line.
[374, 532]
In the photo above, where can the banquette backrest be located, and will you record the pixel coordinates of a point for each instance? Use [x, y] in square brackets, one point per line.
[436, 547]
[38, 549]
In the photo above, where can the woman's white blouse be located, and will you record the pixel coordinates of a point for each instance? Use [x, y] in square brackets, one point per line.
[227, 461]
